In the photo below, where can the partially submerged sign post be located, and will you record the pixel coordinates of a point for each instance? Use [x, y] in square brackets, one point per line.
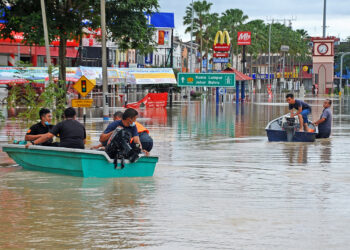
[84, 87]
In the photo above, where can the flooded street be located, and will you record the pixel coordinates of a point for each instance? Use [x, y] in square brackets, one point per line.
[219, 184]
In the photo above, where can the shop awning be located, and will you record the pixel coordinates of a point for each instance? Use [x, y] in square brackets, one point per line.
[19, 75]
[149, 75]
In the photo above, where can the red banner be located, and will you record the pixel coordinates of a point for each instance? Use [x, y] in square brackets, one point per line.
[221, 47]
[151, 100]
[244, 38]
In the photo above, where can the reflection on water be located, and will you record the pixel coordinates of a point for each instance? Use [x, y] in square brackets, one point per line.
[219, 184]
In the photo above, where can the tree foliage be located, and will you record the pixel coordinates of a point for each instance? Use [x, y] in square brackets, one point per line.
[66, 19]
[234, 20]
[201, 21]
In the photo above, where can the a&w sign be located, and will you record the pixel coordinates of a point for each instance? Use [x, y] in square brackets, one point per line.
[244, 38]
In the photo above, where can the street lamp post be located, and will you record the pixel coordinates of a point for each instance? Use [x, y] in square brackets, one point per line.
[324, 17]
[268, 70]
[341, 68]
[189, 88]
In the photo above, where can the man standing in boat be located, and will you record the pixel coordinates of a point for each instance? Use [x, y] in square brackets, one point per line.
[303, 110]
[325, 122]
[71, 132]
[41, 128]
[128, 123]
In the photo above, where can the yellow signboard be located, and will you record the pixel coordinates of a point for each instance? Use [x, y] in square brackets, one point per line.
[83, 86]
[82, 103]
[305, 68]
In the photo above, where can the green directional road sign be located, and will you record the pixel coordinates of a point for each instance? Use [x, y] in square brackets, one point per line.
[206, 80]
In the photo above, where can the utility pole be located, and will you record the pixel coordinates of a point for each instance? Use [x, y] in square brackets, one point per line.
[46, 37]
[104, 62]
[324, 17]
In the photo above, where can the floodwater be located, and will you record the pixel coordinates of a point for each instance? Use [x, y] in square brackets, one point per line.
[219, 184]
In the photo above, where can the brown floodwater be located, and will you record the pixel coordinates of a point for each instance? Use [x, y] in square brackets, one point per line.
[219, 184]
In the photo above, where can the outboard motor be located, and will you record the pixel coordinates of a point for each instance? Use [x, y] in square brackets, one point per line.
[290, 125]
[119, 147]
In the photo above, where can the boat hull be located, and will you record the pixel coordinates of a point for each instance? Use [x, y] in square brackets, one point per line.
[77, 162]
[281, 135]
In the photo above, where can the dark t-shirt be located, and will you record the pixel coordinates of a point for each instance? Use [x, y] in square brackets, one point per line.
[131, 129]
[325, 127]
[71, 132]
[299, 103]
[38, 129]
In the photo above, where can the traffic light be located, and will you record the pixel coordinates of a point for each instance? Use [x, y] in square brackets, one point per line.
[83, 86]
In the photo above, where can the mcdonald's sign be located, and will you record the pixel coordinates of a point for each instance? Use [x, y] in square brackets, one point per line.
[219, 41]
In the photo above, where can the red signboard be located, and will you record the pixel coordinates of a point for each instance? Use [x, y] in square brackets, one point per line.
[123, 64]
[244, 38]
[222, 47]
[221, 54]
[161, 36]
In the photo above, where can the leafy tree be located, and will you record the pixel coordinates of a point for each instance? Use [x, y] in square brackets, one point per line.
[341, 48]
[66, 19]
[232, 20]
[209, 34]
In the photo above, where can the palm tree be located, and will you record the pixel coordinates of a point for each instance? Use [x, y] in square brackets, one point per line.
[231, 20]
[201, 10]
[209, 34]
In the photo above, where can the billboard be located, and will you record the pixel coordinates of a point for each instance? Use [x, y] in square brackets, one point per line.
[161, 20]
[244, 38]
[162, 37]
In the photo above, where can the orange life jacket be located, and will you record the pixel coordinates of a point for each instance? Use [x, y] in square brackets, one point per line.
[141, 128]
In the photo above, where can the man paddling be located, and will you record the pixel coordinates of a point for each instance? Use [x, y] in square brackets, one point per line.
[302, 111]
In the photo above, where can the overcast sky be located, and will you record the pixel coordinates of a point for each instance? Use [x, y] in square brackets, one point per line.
[308, 14]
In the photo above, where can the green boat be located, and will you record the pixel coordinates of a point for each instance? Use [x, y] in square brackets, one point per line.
[77, 162]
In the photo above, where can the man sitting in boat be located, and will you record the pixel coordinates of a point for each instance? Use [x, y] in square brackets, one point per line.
[325, 122]
[128, 123]
[41, 128]
[303, 110]
[145, 139]
[72, 133]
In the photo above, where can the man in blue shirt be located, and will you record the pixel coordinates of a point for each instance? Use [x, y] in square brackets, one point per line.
[303, 110]
[127, 122]
[325, 122]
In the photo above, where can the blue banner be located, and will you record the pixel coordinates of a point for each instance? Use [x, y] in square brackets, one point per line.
[220, 60]
[149, 58]
[161, 20]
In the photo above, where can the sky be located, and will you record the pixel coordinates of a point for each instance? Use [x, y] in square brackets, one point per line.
[306, 14]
